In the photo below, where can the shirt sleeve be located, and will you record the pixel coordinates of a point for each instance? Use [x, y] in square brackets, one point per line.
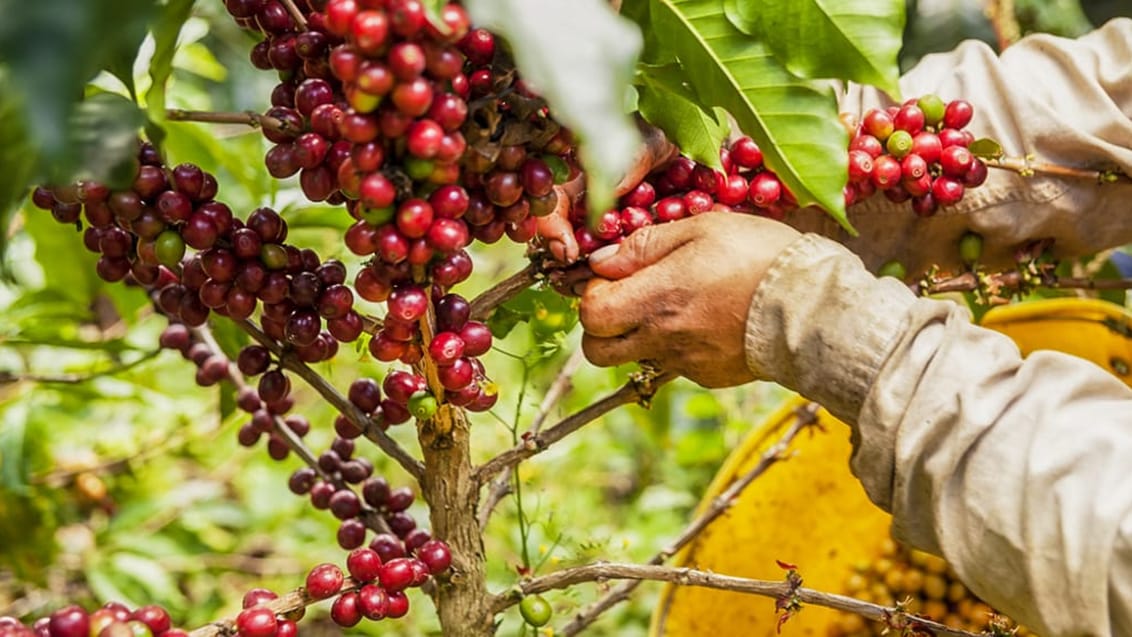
[1018, 471]
[1057, 100]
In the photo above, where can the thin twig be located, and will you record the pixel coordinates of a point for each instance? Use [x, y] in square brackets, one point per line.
[369, 428]
[285, 604]
[370, 517]
[296, 14]
[247, 118]
[1013, 279]
[805, 416]
[638, 389]
[75, 379]
[502, 292]
[1027, 168]
[563, 383]
[602, 571]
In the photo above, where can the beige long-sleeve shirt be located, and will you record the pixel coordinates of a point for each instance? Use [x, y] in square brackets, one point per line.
[1018, 471]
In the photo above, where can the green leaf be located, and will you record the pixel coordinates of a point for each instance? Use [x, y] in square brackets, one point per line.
[794, 121]
[857, 40]
[17, 161]
[580, 55]
[104, 134]
[669, 104]
[166, 29]
[986, 148]
[52, 47]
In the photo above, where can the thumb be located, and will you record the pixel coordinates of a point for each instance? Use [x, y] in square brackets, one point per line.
[640, 249]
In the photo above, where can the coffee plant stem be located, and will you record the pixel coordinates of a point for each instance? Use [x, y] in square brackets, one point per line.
[283, 605]
[1027, 168]
[502, 292]
[602, 571]
[370, 429]
[296, 14]
[638, 389]
[806, 415]
[248, 118]
[7, 377]
[449, 487]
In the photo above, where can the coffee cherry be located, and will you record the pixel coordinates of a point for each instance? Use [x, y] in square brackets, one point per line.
[372, 601]
[324, 581]
[535, 610]
[346, 612]
[397, 604]
[933, 108]
[154, 617]
[257, 621]
[899, 143]
[970, 247]
[878, 123]
[957, 114]
[947, 191]
[363, 564]
[860, 166]
[887, 172]
[893, 269]
[422, 405]
[70, 621]
[955, 161]
[396, 574]
[345, 504]
[351, 534]
[435, 555]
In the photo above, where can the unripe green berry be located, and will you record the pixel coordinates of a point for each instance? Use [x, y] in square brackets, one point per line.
[422, 405]
[377, 216]
[899, 144]
[933, 107]
[893, 269]
[419, 169]
[970, 247]
[535, 610]
[169, 248]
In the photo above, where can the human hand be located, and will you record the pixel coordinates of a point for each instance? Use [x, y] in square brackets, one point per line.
[555, 229]
[679, 293]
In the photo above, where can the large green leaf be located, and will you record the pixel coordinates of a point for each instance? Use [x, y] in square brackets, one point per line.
[794, 121]
[580, 55]
[165, 31]
[856, 40]
[667, 103]
[52, 47]
[104, 133]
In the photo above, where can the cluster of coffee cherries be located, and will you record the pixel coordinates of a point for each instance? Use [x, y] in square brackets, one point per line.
[114, 619]
[917, 151]
[923, 584]
[684, 188]
[144, 231]
[378, 582]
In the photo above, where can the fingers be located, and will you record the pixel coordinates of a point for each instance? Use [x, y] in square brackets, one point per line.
[641, 249]
[616, 350]
[556, 231]
[655, 152]
[612, 308]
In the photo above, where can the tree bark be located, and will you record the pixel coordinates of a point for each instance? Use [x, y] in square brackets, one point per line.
[449, 488]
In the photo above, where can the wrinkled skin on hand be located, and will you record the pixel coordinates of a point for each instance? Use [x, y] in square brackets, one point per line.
[679, 293]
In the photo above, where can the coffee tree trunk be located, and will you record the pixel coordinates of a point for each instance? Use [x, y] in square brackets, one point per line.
[452, 496]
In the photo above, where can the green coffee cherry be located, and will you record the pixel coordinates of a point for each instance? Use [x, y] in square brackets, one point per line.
[894, 269]
[933, 108]
[422, 405]
[970, 247]
[169, 248]
[535, 610]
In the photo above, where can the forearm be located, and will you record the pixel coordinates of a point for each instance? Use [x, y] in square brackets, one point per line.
[1014, 469]
[1062, 101]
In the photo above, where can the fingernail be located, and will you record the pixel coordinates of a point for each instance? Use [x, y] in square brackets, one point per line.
[603, 253]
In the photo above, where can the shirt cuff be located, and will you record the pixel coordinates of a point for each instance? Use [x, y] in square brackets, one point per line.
[822, 325]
